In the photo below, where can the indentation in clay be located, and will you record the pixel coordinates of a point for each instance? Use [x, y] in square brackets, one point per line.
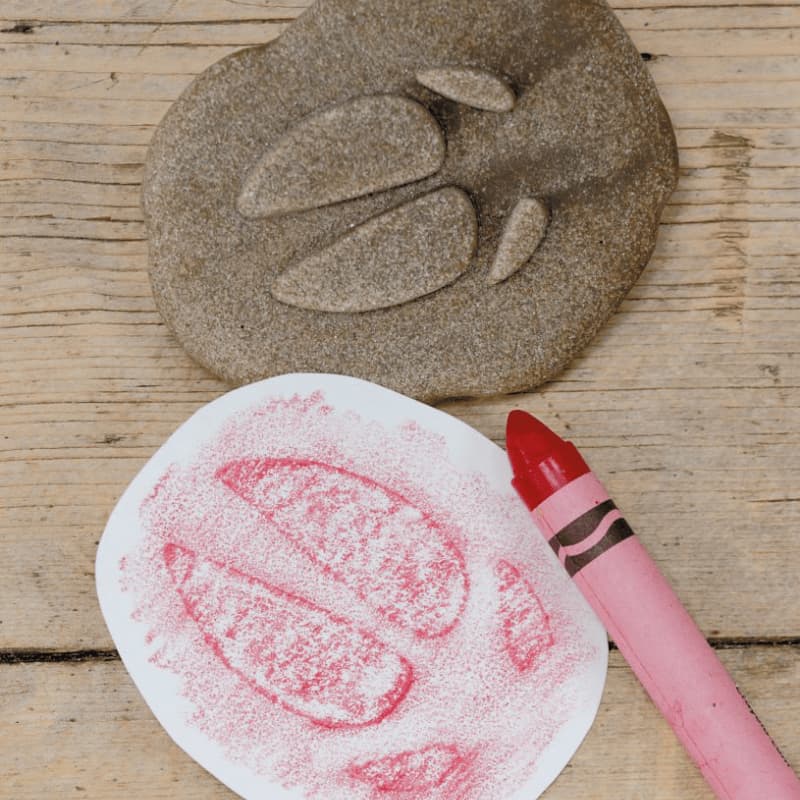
[400, 255]
[522, 234]
[470, 86]
[366, 145]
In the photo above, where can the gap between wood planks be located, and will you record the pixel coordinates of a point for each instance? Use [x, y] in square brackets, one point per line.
[26, 656]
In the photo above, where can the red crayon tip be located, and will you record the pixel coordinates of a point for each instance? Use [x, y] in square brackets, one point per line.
[541, 460]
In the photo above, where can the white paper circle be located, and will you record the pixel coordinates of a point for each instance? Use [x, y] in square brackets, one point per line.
[324, 589]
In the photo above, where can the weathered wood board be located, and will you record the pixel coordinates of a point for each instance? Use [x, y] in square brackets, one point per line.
[687, 403]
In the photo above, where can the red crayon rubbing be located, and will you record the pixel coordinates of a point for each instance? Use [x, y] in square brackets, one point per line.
[311, 662]
[368, 537]
[341, 656]
[652, 630]
[525, 624]
[410, 771]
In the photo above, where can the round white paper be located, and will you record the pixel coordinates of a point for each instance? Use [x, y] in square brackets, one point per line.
[483, 697]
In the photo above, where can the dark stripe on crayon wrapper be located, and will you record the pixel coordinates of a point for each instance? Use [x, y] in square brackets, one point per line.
[582, 527]
[618, 531]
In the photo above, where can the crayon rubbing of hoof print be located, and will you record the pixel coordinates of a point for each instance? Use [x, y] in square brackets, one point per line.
[343, 624]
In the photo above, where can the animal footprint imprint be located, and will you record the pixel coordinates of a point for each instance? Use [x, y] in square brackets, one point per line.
[394, 557]
[410, 771]
[523, 620]
[326, 590]
[445, 197]
[373, 144]
[398, 256]
[312, 662]
[365, 145]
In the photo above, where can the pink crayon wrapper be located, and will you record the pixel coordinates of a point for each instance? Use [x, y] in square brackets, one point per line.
[662, 644]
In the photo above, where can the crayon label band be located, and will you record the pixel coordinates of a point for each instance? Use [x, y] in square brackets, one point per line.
[590, 535]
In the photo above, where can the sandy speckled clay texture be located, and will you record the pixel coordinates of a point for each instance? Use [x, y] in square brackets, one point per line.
[588, 137]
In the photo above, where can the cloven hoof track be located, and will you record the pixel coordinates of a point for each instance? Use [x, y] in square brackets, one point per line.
[373, 144]
[445, 197]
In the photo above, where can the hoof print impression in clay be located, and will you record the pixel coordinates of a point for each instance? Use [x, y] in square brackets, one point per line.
[472, 87]
[363, 146]
[395, 257]
[444, 197]
[522, 234]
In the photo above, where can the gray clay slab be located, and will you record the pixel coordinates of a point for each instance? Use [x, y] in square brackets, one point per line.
[268, 184]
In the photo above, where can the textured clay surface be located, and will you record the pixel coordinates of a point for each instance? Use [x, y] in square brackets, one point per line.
[472, 87]
[268, 182]
[524, 230]
[396, 141]
[395, 257]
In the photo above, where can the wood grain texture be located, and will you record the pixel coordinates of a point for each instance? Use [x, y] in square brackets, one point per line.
[100, 742]
[687, 403]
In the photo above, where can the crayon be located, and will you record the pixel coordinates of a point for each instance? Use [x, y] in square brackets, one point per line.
[644, 617]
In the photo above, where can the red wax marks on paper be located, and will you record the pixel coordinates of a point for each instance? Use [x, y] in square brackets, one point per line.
[375, 541]
[351, 614]
[312, 662]
[525, 623]
[412, 771]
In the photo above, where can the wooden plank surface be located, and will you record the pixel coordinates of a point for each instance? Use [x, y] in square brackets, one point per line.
[81, 730]
[687, 403]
